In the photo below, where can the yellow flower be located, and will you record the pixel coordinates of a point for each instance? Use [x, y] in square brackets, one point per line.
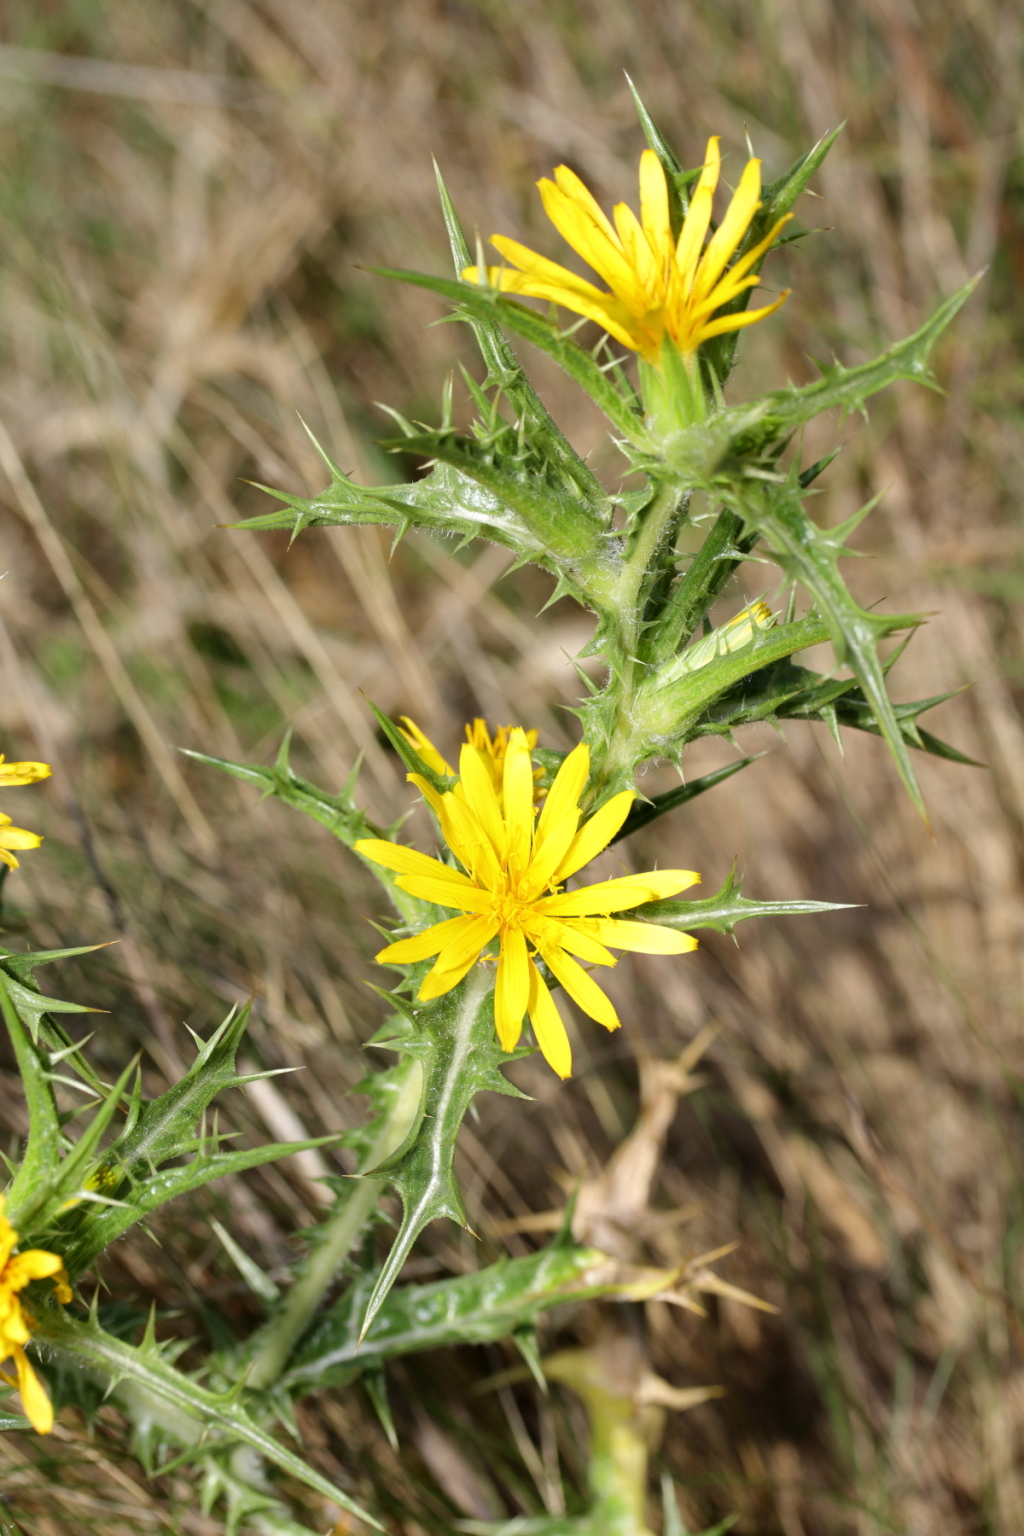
[491, 749]
[14, 837]
[659, 286]
[16, 1270]
[12, 774]
[22, 773]
[515, 865]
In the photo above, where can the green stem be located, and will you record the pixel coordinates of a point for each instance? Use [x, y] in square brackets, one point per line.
[638, 567]
[338, 1237]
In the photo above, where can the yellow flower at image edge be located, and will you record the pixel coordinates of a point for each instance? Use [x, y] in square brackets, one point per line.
[14, 837]
[512, 891]
[16, 1271]
[659, 285]
[11, 775]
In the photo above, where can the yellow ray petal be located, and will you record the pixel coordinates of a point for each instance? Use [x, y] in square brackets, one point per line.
[618, 895]
[422, 945]
[641, 258]
[457, 957]
[723, 293]
[35, 1264]
[548, 1026]
[517, 796]
[532, 265]
[429, 793]
[577, 192]
[600, 248]
[12, 774]
[478, 786]
[743, 266]
[578, 936]
[595, 834]
[698, 217]
[18, 837]
[425, 747]
[512, 989]
[558, 821]
[640, 938]
[468, 840]
[407, 861]
[37, 1406]
[746, 317]
[604, 309]
[465, 898]
[654, 215]
[730, 232]
[581, 987]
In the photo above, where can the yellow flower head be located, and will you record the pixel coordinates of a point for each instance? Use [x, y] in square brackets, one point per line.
[16, 1270]
[491, 749]
[659, 285]
[14, 837]
[12, 774]
[515, 865]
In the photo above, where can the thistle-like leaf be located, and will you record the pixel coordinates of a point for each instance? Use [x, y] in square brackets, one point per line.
[749, 429]
[338, 813]
[102, 1225]
[560, 527]
[37, 1174]
[666, 713]
[723, 911]
[786, 691]
[811, 555]
[505, 373]
[454, 1039]
[474, 302]
[468, 1309]
[147, 1383]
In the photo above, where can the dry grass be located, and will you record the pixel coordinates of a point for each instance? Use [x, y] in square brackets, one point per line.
[186, 226]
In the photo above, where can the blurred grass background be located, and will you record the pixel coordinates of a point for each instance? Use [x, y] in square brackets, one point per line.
[191, 193]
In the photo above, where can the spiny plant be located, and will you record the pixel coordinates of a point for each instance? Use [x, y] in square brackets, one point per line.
[485, 935]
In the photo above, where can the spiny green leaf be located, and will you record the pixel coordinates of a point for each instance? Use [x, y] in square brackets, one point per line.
[503, 369]
[455, 1041]
[668, 713]
[135, 1374]
[33, 1183]
[776, 415]
[724, 911]
[707, 575]
[811, 555]
[475, 302]
[557, 524]
[338, 813]
[466, 1309]
[408, 753]
[102, 1225]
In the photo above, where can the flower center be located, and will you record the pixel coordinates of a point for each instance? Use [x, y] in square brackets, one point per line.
[510, 910]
